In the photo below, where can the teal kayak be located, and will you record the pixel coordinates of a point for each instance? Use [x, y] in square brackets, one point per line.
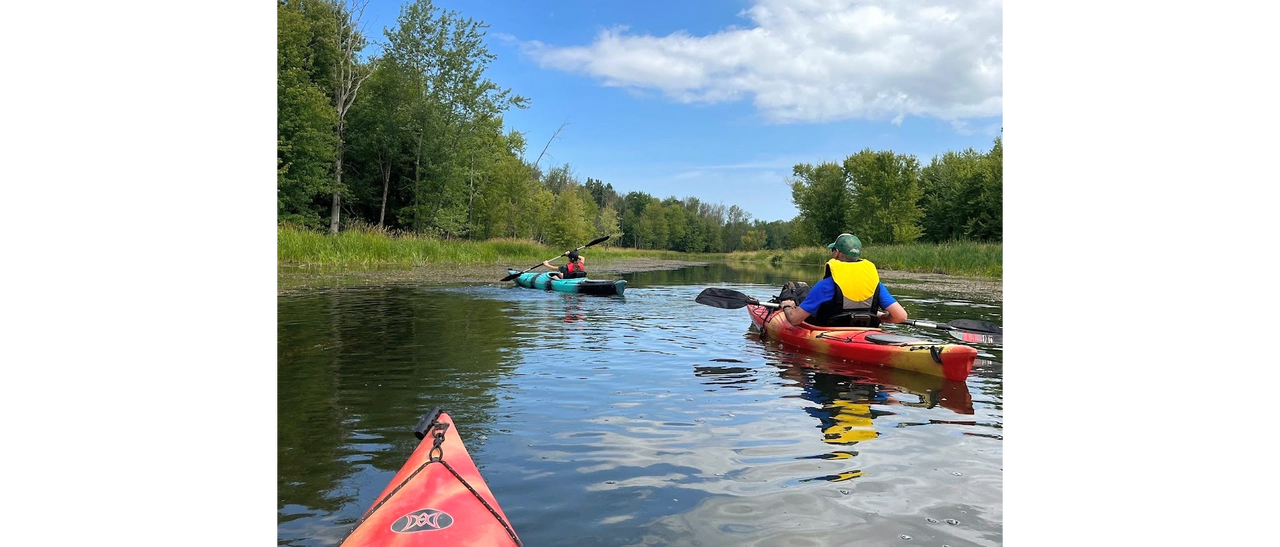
[580, 285]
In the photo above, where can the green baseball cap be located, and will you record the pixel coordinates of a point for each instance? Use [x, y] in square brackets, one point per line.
[848, 244]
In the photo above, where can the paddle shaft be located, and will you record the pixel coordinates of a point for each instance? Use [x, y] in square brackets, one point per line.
[969, 325]
[926, 324]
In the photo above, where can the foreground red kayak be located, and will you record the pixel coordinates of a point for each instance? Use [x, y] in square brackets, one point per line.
[868, 345]
[437, 498]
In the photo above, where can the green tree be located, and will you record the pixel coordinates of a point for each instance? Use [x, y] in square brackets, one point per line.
[886, 193]
[447, 56]
[541, 211]
[602, 193]
[608, 223]
[632, 208]
[558, 178]
[987, 222]
[652, 230]
[504, 208]
[570, 224]
[305, 122]
[946, 185]
[677, 224]
[737, 223]
[379, 134]
[962, 196]
[753, 240]
[824, 197]
[713, 221]
[777, 233]
[348, 75]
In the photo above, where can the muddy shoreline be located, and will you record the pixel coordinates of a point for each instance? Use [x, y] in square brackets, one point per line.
[293, 279]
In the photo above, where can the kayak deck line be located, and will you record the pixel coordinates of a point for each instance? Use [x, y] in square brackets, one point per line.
[437, 456]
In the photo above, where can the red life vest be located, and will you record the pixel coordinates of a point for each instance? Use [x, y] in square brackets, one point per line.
[573, 269]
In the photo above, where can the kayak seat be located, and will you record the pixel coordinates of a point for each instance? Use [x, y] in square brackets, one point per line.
[850, 319]
[890, 339]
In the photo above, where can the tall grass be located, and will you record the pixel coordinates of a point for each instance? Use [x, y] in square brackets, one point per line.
[365, 246]
[371, 247]
[958, 258]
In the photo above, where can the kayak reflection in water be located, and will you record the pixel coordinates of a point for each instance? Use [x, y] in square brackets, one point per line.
[845, 414]
[850, 396]
[572, 308]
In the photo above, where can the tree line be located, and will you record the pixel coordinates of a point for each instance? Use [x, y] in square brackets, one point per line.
[411, 139]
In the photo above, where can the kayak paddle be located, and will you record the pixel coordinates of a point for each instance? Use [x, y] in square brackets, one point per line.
[728, 299]
[968, 330]
[593, 242]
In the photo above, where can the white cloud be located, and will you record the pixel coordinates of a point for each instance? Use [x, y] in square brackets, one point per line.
[816, 61]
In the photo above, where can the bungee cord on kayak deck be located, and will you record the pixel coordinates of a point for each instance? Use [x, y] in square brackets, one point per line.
[436, 430]
[437, 456]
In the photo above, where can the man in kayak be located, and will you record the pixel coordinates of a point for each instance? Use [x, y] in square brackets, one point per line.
[850, 294]
[577, 267]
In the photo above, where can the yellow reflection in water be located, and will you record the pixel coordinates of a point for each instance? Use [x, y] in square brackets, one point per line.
[852, 423]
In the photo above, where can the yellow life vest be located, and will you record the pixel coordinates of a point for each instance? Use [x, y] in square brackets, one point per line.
[857, 282]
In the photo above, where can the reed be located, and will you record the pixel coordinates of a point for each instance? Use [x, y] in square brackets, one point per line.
[964, 258]
[366, 246]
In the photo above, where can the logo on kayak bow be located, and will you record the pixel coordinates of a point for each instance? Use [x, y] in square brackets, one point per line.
[422, 520]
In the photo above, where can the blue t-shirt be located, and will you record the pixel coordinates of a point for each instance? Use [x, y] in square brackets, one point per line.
[825, 290]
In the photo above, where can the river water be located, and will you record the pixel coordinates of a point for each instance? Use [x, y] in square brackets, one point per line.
[646, 419]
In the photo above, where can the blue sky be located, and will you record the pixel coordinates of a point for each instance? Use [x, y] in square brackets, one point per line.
[719, 99]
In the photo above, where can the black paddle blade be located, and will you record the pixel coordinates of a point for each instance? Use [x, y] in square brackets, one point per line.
[512, 276]
[727, 299]
[976, 326]
[598, 240]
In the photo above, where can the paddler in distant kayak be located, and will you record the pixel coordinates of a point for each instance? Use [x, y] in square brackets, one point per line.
[577, 267]
[850, 293]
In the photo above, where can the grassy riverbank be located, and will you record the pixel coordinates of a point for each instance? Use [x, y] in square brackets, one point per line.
[962, 258]
[369, 248]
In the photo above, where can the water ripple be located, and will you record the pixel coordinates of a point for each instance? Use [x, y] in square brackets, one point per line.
[639, 420]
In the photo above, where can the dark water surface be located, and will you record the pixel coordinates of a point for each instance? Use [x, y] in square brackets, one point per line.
[646, 419]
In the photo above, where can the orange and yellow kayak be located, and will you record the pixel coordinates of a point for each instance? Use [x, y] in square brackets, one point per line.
[869, 345]
[437, 498]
